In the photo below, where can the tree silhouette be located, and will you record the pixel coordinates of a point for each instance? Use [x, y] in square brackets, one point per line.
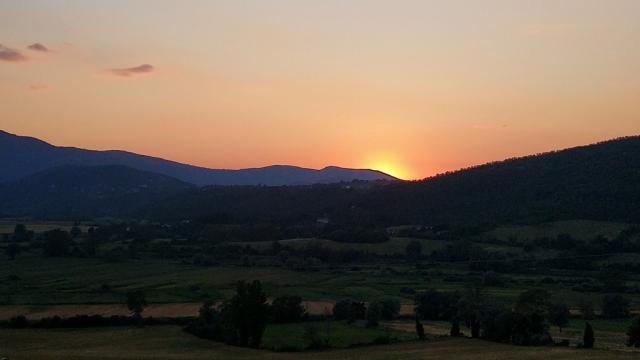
[419, 329]
[588, 338]
[136, 302]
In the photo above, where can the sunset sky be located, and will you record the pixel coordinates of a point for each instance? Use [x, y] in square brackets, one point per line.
[409, 87]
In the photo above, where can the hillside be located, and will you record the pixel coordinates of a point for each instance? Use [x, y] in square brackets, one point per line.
[598, 182]
[21, 156]
[79, 192]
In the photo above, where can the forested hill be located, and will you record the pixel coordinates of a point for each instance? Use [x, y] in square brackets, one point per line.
[600, 181]
[78, 192]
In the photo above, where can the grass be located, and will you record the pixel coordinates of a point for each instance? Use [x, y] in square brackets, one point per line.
[609, 334]
[291, 337]
[171, 343]
[80, 281]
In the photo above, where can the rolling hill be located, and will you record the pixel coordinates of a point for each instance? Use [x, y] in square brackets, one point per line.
[598, 182]
[85, 191]
[21, 156]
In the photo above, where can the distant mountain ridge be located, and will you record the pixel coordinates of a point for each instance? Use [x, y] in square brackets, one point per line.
[21, 156]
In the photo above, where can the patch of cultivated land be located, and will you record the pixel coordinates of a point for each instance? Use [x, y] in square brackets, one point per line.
[580, 229]
[35, 312]
[171, 343]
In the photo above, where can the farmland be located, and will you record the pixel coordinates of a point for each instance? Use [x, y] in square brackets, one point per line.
[168, 342]
[44, 287]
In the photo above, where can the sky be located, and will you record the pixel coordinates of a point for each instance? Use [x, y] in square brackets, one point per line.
[411, 87]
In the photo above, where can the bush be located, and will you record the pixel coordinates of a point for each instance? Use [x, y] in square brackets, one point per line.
[374, 314]
[313, 337]
[633, 333]
[18, 322]
[390, 308]
[435, 305]
[350, 310]
[287, 309]
[615, 306]
[341, 309]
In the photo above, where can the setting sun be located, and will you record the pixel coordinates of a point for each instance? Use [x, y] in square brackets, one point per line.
[389, 164]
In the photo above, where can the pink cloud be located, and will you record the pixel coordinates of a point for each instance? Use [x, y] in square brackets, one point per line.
[38, 47]
[11, 55]
[133, 71]
[38, 87]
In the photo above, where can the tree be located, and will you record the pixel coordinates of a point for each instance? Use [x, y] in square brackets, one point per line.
[588, 338]
[455, 328]
[374, 313]
[287, 309]
[390, 307]
[12, 250]
[419, 329]
[435, 305]
[615, 306]
[350, 310]
[207, 324]
[75, 231]
[559, 315]
[20, 233]
[529, 317]
[136, 302]
[633, 333]
[613, 280]
[56, 242]
[586, 309]
[414, 250]
[357, 311]
[469, 309]
[341, 309]
[245, 315]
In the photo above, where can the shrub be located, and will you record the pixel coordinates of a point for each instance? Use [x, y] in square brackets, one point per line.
[287, 309]
[374, 314]
[390, 308]
[615, 306]
[633, 333]
[18, 322]
[435, 305]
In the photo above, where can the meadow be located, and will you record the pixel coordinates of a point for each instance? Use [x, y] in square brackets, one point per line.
[41, 287]
[171, 343]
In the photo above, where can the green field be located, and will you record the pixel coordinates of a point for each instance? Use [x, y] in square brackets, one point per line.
[171, 343]
[40, 286]
[82, 281]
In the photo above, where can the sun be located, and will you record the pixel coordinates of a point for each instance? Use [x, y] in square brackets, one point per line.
[389, 165]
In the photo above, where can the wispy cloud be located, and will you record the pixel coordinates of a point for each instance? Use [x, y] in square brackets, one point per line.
[39, 87]
[133, 71]
[11, 55]
[38, 47]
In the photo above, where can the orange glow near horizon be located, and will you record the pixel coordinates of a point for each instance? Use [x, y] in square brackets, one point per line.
[408, 87]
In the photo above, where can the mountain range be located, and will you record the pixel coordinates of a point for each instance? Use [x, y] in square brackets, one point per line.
[598, 182]
[21, 156]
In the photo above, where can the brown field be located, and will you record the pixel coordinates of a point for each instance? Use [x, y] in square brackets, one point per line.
[169, 342]
[7, 226]
[320, 307]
